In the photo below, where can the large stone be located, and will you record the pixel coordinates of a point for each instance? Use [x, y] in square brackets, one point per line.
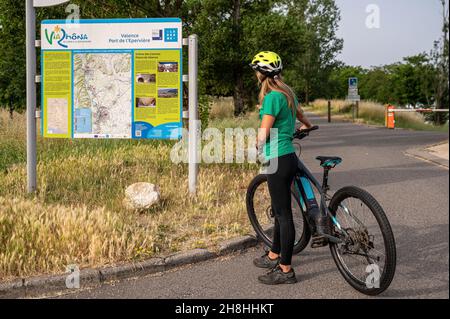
[141, 196]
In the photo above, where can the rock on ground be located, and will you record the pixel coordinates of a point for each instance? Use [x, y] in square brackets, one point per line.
[141, 196]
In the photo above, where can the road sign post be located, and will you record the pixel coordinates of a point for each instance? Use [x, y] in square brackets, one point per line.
[31, 95]
[30, 20]
[329, 111]
[353, 94]
[357, 109]
[194, 125]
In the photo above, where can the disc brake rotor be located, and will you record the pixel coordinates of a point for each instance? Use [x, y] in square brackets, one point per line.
[269, 213]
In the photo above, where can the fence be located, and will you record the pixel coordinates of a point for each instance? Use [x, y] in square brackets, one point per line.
[391, 110]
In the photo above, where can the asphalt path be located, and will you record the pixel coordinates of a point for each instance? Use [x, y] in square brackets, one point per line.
[414, 193]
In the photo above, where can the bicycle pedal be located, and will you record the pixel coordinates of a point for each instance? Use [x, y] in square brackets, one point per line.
[319, 241]
[332, 239]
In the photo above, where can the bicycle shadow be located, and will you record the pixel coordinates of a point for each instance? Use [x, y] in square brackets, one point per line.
[422, 253]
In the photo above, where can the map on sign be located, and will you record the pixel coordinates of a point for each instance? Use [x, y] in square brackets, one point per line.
[57, 114]
[102, 85]
[117, 78]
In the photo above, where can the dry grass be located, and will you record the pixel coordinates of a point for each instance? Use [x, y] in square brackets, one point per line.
[370, 113]
[221, 108]
[38, 238]
[77, 215]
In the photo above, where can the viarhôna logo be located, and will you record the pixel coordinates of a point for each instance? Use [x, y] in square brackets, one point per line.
[58, 35]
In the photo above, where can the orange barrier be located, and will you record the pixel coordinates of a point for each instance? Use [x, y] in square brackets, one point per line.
[389, 114]
[389, 117]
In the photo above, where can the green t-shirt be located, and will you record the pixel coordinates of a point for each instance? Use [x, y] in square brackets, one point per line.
[276, 104]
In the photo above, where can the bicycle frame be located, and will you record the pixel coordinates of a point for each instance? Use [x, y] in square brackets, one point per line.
[303, 190]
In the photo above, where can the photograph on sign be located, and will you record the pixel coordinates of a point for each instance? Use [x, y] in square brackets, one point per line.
[146, 78]
[112, 79]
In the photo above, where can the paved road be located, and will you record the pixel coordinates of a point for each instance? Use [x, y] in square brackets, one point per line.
[440, 150]
[413, 193]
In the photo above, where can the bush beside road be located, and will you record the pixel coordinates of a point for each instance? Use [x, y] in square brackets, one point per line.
[372, 113]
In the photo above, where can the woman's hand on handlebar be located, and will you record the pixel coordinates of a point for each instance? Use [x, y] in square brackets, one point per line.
[304, 132]
[305, 127]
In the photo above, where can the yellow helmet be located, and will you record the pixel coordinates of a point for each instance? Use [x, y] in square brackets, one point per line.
[268, 63]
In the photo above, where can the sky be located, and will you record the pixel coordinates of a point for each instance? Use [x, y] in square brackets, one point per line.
[406, 28]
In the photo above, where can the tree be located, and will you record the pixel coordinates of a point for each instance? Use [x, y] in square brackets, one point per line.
[12, 54]
[376, 85]
[231, 32]
[440, 58]
[411, 81]
[317, 47]
[338, 80]
[225, 30]
[12, 34]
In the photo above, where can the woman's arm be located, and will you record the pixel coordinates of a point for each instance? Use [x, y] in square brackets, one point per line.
[264, 131]
[302, 118]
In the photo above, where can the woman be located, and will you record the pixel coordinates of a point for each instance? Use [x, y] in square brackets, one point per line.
[279, 108]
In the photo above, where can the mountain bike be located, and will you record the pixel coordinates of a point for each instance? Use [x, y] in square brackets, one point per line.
[361, 240]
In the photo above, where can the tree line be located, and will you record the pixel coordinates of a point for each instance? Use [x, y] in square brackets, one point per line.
[230, 33]
[412, 81]
[420, 81]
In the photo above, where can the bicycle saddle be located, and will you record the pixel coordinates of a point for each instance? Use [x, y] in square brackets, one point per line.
[329, 161]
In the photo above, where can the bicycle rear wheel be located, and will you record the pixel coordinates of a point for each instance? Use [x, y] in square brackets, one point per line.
[366, 257]
[260, 213]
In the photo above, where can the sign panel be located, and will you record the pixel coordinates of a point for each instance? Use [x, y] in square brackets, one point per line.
[48, 3]
[353, 82]
[115, 78]
[353, 90]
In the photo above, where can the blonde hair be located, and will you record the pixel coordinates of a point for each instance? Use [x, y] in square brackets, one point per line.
[275, 83]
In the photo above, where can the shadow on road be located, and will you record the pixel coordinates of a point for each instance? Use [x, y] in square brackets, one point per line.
[357, 136]
[387, 174]
[422, 257]
[422, 262]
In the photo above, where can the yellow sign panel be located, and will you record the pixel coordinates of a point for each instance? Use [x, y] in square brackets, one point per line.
[57, 93]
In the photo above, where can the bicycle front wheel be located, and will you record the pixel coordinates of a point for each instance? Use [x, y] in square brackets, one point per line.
[366, 257]
[261, 216]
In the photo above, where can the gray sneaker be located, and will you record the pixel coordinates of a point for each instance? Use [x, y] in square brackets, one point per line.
[265, 262]
[276, 277]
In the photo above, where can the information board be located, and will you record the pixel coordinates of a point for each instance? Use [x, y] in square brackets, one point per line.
[353, 94]
[112, 78]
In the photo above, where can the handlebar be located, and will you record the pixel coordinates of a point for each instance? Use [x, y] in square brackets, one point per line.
[301, 134]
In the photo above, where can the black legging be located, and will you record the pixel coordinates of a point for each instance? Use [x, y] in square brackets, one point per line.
[280, 193]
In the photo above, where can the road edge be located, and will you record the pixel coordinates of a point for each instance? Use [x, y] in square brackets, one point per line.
[424, 155]
[38, 286]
